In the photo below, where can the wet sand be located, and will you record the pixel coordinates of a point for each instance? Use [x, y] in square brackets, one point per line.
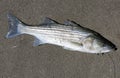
[19, 59]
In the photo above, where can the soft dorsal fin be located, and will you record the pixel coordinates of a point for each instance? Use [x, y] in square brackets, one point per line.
[69, 22]
[72, 23]
[49, 21]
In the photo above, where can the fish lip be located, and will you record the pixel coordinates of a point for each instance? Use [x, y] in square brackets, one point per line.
[115, 49]
[110, 49]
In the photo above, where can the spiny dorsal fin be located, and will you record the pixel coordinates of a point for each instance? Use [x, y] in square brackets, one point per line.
[49, 21]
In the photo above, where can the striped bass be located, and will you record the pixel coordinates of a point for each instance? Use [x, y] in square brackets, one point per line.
[70, 35]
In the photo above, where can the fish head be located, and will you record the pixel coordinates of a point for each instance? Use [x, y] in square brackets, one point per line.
[98, 44]
[104, 44]
[108, 46]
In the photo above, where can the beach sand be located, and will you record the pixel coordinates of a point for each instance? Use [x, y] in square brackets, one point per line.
[19, 59]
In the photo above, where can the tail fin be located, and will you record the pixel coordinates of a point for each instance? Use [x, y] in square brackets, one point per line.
[13, 26]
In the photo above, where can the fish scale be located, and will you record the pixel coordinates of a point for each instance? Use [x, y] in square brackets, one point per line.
[64, 35]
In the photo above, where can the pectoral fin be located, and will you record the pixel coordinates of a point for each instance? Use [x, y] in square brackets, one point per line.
[74, 46]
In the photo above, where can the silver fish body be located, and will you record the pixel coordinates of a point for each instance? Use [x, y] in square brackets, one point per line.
[70, 36]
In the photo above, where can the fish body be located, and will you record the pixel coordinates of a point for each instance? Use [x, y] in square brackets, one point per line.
[70, 36]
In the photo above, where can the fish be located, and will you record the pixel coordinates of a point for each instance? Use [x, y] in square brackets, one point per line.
[70, 35]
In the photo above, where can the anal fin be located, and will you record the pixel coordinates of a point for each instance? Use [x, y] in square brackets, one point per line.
[38, 42]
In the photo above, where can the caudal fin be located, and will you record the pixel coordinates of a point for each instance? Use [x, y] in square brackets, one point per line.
[14, 23]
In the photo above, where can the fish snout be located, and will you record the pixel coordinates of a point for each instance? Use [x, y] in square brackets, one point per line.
[108, 48]
[113, 47]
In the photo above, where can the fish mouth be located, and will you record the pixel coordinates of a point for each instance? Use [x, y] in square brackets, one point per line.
[107, 49]
[114, 49]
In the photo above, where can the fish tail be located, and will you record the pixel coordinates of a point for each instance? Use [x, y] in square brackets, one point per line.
[15, 26]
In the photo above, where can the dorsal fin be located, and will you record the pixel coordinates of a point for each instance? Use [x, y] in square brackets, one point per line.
[49, 21]
[72, 23]
[69, 22]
